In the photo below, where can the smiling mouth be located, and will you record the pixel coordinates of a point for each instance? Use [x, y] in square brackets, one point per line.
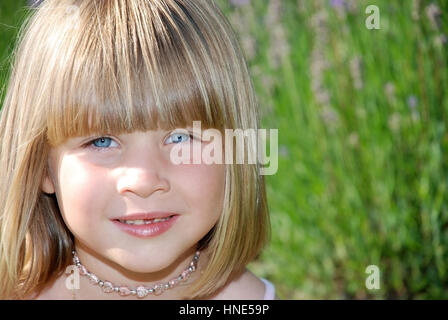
[144, 221]
[146, 228]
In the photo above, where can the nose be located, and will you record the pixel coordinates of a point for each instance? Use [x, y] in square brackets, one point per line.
[143, 178]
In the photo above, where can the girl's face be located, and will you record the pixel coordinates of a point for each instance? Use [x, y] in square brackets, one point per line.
[98, 181]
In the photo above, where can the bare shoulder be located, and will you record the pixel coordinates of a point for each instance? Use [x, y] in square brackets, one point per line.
[246, 287]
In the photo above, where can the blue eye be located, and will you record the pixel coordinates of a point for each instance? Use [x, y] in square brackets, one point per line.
[101, 143]
[178, 137]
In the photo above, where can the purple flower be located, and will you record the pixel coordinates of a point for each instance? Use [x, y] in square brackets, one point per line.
[239, 3]
[433, 13]
[412, 102]
[337, 3]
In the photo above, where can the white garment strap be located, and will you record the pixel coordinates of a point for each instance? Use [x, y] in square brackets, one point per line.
[269, 293]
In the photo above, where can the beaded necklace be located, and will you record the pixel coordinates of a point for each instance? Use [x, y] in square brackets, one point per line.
[140, 291]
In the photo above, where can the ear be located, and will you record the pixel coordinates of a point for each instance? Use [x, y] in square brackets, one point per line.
[47, 185]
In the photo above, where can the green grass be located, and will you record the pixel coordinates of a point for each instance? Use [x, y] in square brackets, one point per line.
[362, 176]
[12, 14]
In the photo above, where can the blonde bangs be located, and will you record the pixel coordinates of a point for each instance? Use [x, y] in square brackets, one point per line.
[123, 72]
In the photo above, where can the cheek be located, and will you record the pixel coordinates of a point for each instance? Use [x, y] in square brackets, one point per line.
[80, 189]
[203, 186]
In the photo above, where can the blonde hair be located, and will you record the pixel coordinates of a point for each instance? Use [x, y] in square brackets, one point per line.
[120, 66]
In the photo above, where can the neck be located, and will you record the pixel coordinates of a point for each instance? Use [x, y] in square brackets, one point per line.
[107, 270]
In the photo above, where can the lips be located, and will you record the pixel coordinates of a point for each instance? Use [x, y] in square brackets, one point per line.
[144, 225]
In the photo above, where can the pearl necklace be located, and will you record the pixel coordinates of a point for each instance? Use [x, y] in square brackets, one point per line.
[141, 291]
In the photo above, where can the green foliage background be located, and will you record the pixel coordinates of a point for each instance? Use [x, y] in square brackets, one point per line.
[362, 119]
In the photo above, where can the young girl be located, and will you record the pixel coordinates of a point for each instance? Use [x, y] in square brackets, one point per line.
[92, 207]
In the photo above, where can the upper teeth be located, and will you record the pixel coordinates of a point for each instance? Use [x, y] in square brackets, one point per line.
[144, 221]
